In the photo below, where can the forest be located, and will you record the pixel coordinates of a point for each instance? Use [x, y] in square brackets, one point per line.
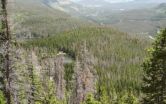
[48, 56]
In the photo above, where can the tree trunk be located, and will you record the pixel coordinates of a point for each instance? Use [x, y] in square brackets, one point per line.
[6, 39]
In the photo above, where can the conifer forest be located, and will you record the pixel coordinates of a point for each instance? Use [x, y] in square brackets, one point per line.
[82, 51]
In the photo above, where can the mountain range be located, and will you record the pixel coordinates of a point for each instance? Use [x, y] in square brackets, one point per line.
[128, 16]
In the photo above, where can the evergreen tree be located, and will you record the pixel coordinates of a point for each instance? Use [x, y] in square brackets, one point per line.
[91, 100]
[128, 98]
[49, 95]
[154, 86]
[2, 98]
[103, 96]
[37, 92]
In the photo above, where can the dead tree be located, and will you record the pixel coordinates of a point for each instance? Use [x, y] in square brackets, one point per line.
[6, 40]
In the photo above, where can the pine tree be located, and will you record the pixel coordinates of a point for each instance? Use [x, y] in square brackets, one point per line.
[103, 96]
[50, 94]
[2, 98]
[35, 90]
[91, 100]
[128, 98]
[154, 86]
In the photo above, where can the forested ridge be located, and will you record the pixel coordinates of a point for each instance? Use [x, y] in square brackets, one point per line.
[116, 58]
[50, 57]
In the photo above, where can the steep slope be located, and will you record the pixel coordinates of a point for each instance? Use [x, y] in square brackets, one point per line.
[74, 58]
[35, 19]
[118, 56]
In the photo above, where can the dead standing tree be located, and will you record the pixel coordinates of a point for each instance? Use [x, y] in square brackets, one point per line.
[6, 40]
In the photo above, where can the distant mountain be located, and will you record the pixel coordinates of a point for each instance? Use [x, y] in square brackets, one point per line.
[42, 20]
[79, 5]
[93, 3]
[152, 1]
[58, 2]
[63, 5]
[162, 6]
[127, 1]
[128, 15]
[117, 4]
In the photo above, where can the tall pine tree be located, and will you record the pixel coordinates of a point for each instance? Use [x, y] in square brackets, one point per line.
[154, 86]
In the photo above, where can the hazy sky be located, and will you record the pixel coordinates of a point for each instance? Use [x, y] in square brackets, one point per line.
[118, 1]
[113, 1]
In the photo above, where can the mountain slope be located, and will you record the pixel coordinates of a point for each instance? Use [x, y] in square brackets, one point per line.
[38, 20]
[134, 17]
[118, 55]
[161, 7]
[74, 57]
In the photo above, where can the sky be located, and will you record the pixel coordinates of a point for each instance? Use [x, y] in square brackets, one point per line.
[113, 1]
[117, 1]
[120, 1]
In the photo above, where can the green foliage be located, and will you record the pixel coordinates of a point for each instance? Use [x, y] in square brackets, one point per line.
[2, 98]
[69, 71]
[37, 88]
[104, 99]
[50, 95]
[103, 95]
[128, 98]
[34, 19]
[119, 55]
[90, 100]
[154, 86]
[45, 93]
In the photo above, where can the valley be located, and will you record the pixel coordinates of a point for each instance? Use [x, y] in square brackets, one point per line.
[80, 51]
[135, 17]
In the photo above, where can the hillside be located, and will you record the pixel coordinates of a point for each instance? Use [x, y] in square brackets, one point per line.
[162, 7]
[135, 17]
[35, 19]
[57, 58]
[118, 56]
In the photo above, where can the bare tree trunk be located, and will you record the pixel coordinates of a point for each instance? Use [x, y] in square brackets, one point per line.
[59, 76]
[31, 95]
[6, 39]
[16, 100]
